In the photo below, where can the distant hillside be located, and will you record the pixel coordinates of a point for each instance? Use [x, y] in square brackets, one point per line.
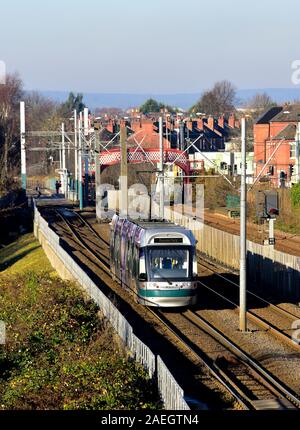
[184, 101]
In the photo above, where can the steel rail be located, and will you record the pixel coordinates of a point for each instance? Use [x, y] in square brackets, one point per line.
[258, 320]
[262, 372]
[79, 239]
[276, 308]
[218, 374]
[214, 371]
[211, 367]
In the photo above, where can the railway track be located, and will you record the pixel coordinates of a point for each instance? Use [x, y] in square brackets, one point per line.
[285, 242]
[84, 240]
[270, 317]
[208, 266]
[250, 384]
[213, 371]
[73, 229]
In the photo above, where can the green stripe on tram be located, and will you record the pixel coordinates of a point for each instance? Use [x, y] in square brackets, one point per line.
[167, 293]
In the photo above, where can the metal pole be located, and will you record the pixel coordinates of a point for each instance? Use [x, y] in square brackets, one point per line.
[297, 154]
[75, 154]
[243, 234]
[86, 121]
[86, 156]
[64, 176]
[60, 161]
[123, 178]
[271, 233]
[161, 168]
[80, 163]
[23, 142]
[98, 177]
[181, 127]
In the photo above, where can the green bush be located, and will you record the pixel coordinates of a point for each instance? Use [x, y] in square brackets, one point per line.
[295, 195]
[60, 355]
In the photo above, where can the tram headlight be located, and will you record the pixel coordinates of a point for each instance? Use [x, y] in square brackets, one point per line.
[195, 265]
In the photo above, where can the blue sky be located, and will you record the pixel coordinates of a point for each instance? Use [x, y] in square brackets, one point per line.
[158, 46]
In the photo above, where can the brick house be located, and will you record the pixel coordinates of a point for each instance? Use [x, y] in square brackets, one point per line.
[211, 133]
[277, 128]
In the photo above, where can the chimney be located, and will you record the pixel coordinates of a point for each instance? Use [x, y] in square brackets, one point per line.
[110, 126]
[231, 121]
[221, 121]
[189, 125]
[200, 123]
[122, 123]
[135, 124]
[211, 122]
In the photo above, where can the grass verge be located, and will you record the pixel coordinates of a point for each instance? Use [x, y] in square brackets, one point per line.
[59, 354]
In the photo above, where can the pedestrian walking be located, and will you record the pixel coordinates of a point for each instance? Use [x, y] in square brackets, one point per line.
[57, 186]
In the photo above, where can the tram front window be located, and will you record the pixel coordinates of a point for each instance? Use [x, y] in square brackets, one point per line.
[168, 263]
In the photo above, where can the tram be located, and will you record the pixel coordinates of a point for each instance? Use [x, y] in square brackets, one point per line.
[154, 260]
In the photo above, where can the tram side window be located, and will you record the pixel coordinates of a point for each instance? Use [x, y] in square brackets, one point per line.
[128, 256]
[132, 257]
[123, 245]
[134, 263]
[117, 251]
[114, 241]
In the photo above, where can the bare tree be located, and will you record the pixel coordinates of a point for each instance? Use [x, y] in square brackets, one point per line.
[42, 113]
[10, 95]
[217, 101]
[260, 102]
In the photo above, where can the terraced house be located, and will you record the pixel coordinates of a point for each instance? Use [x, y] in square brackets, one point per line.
[276, 145]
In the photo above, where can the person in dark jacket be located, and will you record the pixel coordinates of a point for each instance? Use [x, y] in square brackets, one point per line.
[57, 186]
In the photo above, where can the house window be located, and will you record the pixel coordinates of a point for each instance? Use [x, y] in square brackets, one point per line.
[223, 165]
[292, 149]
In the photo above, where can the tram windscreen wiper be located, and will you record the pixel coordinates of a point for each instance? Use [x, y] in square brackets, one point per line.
[156, 272]
[166, 279]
